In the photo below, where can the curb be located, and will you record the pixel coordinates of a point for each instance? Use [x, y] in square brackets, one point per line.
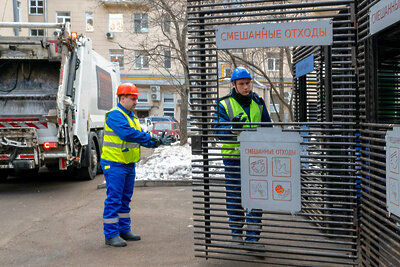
[154, 183]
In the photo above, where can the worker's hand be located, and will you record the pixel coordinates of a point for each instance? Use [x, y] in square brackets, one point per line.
[156, 140]
[166, 140]
[238, 118]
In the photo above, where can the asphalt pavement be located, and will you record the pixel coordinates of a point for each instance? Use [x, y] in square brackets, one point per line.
[57, 221]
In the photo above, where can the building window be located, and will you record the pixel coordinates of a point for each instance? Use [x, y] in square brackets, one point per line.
[273, 64]
[141, 60]
[168, 104]
[63, 17]
[167, 59]
[89, 22]
[143, 97]
[117, 55]
[227, 72]
[140, 23]
[166, 24]
[272, 109]
[191, 60]
[36, 32]
[36, 7]
[115, 22]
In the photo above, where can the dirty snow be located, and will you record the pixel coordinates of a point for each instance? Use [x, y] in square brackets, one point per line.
[168, 163]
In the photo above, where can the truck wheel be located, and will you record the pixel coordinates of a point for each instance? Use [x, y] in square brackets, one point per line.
[4, 174]
[90, 158]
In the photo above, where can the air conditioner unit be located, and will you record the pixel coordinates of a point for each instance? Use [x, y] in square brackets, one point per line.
[154, 89]
[109, 35]
[155, 96]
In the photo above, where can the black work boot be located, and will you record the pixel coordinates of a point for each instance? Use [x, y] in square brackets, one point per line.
[129, 236]
[116, 241]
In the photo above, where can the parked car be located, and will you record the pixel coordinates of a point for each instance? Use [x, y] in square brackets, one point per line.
[148, 125]
[171, 128]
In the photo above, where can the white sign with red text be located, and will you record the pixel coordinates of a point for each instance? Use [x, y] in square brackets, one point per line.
[285, 34]
[393, 171]
[270, 169]
[383, 14]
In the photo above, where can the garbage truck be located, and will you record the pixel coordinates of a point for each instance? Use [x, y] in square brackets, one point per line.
[54, 93]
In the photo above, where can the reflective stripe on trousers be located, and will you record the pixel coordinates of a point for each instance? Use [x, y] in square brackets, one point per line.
[115, 220]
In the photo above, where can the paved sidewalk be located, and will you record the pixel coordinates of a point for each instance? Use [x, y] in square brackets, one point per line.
[60, 224]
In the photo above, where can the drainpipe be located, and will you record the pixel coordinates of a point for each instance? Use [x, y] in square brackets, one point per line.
[45, 17]
[16, 18]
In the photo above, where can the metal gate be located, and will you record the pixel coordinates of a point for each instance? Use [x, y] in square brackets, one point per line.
[378, 80]
[324, 233]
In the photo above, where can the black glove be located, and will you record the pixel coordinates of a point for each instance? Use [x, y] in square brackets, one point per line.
[238, 118]
[166, 140]
[156, 140]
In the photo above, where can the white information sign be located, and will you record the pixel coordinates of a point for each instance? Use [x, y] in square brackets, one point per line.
[300, 33]
[393, 171]
[270, 169]
[383, 14]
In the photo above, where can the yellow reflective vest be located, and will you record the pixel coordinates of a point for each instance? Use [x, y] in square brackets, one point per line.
[233, 108]
[117, 150]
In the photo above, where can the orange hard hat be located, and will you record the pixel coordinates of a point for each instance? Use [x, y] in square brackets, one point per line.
[127, 89]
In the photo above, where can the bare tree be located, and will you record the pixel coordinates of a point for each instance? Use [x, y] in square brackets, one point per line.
[166, 49]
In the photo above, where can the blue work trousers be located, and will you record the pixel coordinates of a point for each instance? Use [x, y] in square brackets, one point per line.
[233, 200]
[120, 181]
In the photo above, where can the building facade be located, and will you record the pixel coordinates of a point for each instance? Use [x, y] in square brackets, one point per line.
[124, 31]
[119, 30]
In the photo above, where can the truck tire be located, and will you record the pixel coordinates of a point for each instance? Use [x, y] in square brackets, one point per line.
[90, 159]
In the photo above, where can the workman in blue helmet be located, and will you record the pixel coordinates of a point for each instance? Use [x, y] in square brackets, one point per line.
[241, 105]
[123, 137]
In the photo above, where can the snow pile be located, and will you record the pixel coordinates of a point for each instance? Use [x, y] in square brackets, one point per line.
[166, 163]
[170, 163]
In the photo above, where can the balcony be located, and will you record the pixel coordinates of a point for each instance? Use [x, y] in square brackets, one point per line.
[124, 2]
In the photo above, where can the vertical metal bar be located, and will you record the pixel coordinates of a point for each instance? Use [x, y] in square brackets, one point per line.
[303, 97]
[370, 82]
[328, 82]
[203, 89]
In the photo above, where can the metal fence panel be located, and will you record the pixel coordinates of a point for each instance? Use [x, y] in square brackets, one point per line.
[322, 234]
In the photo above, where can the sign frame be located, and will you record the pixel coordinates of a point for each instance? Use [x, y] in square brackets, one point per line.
[285, 34]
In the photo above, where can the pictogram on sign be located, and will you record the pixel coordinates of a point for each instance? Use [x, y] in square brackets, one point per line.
[281, 167]
[282, 190]
[258, 166]
[258, 189]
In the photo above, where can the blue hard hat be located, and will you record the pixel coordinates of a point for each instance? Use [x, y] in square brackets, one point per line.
[240, 73]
